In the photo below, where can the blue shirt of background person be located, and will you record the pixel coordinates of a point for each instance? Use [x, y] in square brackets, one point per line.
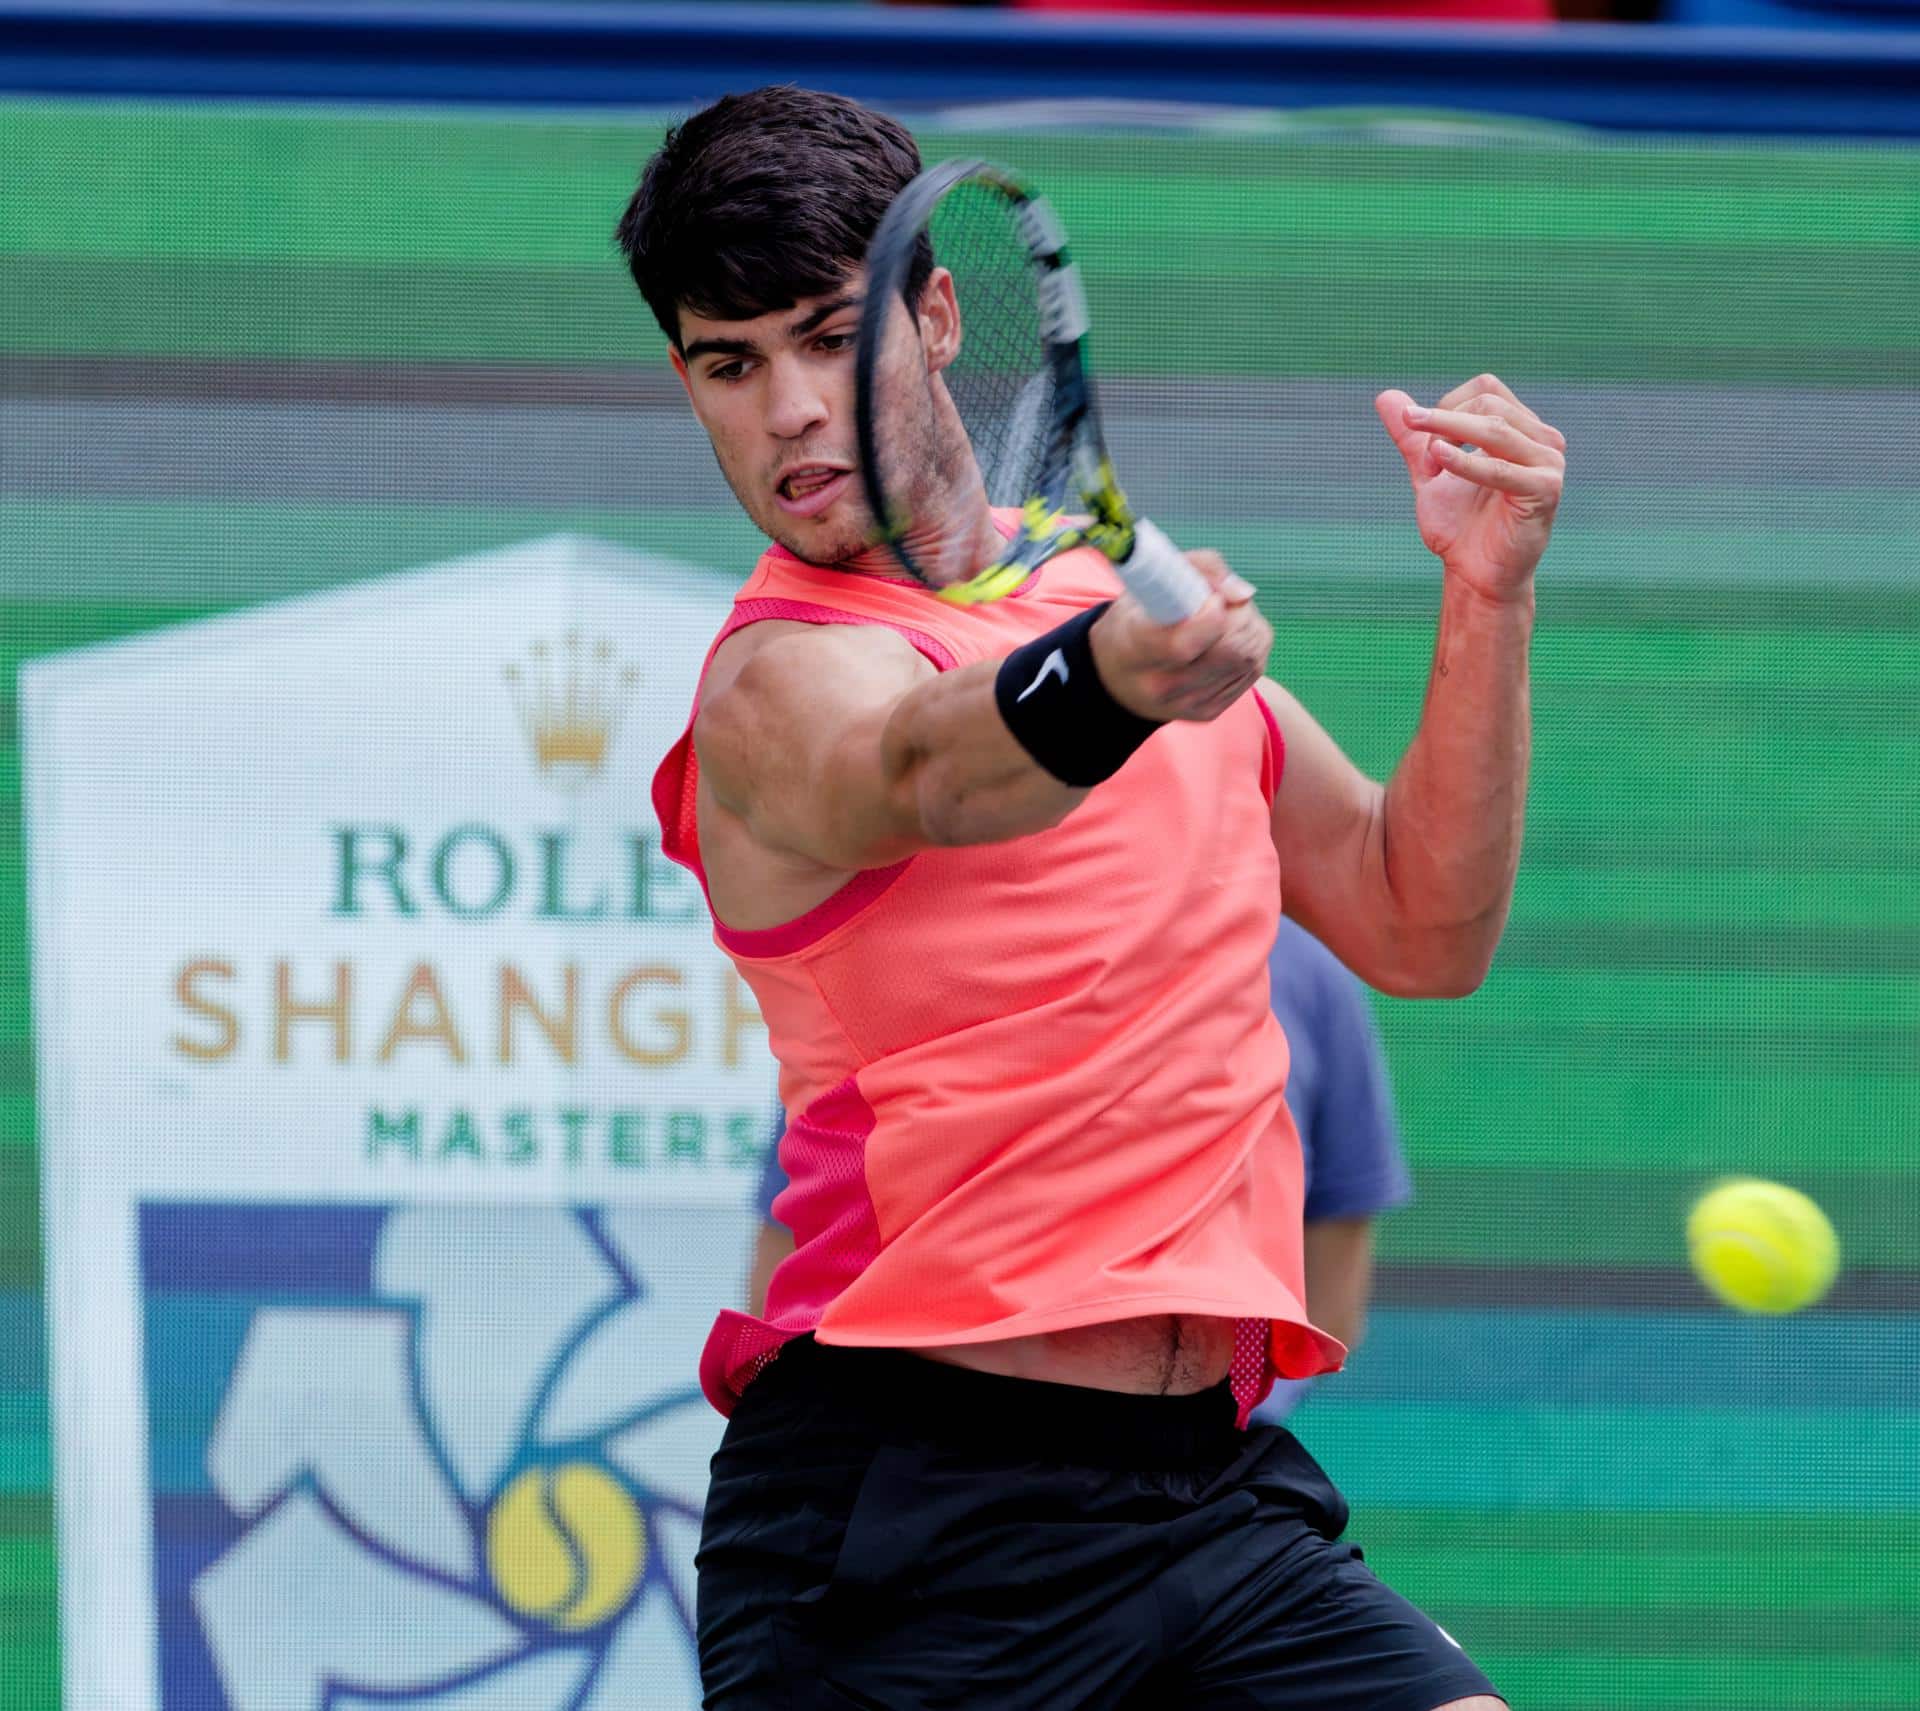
[1342, 1104]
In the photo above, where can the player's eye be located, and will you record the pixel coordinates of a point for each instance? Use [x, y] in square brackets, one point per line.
[727, 371]
[832, 343]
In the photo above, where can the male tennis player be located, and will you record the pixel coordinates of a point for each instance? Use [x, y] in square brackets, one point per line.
[1003, 879]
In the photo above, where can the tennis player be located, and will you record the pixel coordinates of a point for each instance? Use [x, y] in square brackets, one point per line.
[1003, 879]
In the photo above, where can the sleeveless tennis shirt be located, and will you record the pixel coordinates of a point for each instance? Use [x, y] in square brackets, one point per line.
[1036, 1084]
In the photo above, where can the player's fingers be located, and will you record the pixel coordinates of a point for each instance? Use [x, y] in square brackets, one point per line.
[1520, 416]
[1495, 433]
[1174, 647]
[1535, 481]
[1211, 699]
[1233, 589]
[1394, 408]
[1480, 384]
[1490, 394]
[1236, 657]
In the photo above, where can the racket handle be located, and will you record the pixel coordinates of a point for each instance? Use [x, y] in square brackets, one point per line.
[1158, 576]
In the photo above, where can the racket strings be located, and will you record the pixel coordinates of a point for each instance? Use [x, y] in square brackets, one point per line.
[1001, 382]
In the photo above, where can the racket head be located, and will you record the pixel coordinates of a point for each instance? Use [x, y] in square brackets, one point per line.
[1019, 382]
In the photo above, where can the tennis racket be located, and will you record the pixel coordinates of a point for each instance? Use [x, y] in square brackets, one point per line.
[1021, 384]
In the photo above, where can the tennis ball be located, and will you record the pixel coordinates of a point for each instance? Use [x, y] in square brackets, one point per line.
[1761, 1246]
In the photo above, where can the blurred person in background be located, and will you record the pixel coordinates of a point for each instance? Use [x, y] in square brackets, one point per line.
[1342, 1103]
[991, 1434]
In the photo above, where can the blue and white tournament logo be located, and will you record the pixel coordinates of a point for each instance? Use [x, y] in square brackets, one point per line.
[446, 1457]
[357, 963]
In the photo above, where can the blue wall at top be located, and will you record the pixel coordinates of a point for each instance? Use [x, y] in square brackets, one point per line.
[649, 55]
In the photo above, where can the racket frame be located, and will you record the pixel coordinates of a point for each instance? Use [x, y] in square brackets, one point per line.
[1076, 465]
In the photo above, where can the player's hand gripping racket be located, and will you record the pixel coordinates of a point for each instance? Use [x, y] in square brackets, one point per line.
[1023, 391]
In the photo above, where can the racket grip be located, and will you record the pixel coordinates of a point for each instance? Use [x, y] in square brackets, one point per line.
[1157, 574]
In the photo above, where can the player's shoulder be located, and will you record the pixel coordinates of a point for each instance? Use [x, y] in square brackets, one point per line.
[792, 646]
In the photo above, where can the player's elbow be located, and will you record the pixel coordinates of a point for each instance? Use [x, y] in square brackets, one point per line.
[1462, 969]
[1461, 981]
[1449, 964]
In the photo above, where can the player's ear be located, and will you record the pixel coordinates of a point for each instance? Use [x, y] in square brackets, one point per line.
[939, 320]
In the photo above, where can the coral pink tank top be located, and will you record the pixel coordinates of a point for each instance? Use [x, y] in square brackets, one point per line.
[1036, 1084]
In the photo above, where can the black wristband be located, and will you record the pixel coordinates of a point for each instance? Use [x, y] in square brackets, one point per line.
[1060, 712]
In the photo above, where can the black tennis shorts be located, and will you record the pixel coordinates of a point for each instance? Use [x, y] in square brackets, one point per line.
[891, 1534]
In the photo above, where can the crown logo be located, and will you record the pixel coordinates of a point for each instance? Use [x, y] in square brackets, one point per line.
[569, 698]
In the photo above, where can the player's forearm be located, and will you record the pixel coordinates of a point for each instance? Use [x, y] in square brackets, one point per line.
[1453, 812]
[955, 772]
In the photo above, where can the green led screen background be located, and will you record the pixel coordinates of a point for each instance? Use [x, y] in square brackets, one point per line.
[249, 353]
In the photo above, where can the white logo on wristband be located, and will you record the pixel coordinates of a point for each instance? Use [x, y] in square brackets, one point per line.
[1054, 662]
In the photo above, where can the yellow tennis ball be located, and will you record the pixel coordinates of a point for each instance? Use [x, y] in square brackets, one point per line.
[1761, 1246]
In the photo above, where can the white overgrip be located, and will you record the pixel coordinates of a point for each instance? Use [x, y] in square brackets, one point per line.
[1157, 574]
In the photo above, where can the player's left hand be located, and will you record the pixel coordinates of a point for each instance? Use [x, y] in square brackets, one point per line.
[1486, 512]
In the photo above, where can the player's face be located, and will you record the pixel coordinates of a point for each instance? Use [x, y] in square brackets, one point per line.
[776, 396]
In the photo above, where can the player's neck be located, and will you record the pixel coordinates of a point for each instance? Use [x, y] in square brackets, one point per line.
[961, 545]
[952, 552]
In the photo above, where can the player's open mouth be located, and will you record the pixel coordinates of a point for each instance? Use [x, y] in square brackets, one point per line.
[810, 489]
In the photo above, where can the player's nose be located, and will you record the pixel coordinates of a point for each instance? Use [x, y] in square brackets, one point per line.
[796, 403]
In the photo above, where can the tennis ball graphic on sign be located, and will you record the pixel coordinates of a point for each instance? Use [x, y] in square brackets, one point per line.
[1762, 1247]
[566, 1545]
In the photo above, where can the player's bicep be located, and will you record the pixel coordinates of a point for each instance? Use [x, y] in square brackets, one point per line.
[790, 740]
[1327, 821]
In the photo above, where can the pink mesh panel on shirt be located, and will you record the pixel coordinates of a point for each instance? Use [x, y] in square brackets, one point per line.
[836, 1235]
[825, 1204]
[1251, 1370]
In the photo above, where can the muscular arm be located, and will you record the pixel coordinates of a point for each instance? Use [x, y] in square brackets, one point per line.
[841, 746]
[1409, 882]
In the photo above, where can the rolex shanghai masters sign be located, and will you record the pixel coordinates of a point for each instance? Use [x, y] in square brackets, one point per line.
[399, 1121]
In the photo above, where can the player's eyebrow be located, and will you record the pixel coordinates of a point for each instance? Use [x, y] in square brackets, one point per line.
[795, 330]
[806, 324]
[720, 347]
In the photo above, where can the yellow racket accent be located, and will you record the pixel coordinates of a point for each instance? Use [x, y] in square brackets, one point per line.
[1040, 524]
[993, 583]
[1044, 531]
[1111, 529]
[1039, 519]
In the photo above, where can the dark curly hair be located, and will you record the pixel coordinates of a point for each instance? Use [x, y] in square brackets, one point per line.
[761, 200]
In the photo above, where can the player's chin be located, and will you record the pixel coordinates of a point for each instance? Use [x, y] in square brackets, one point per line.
[824, 543]
[839, 533]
